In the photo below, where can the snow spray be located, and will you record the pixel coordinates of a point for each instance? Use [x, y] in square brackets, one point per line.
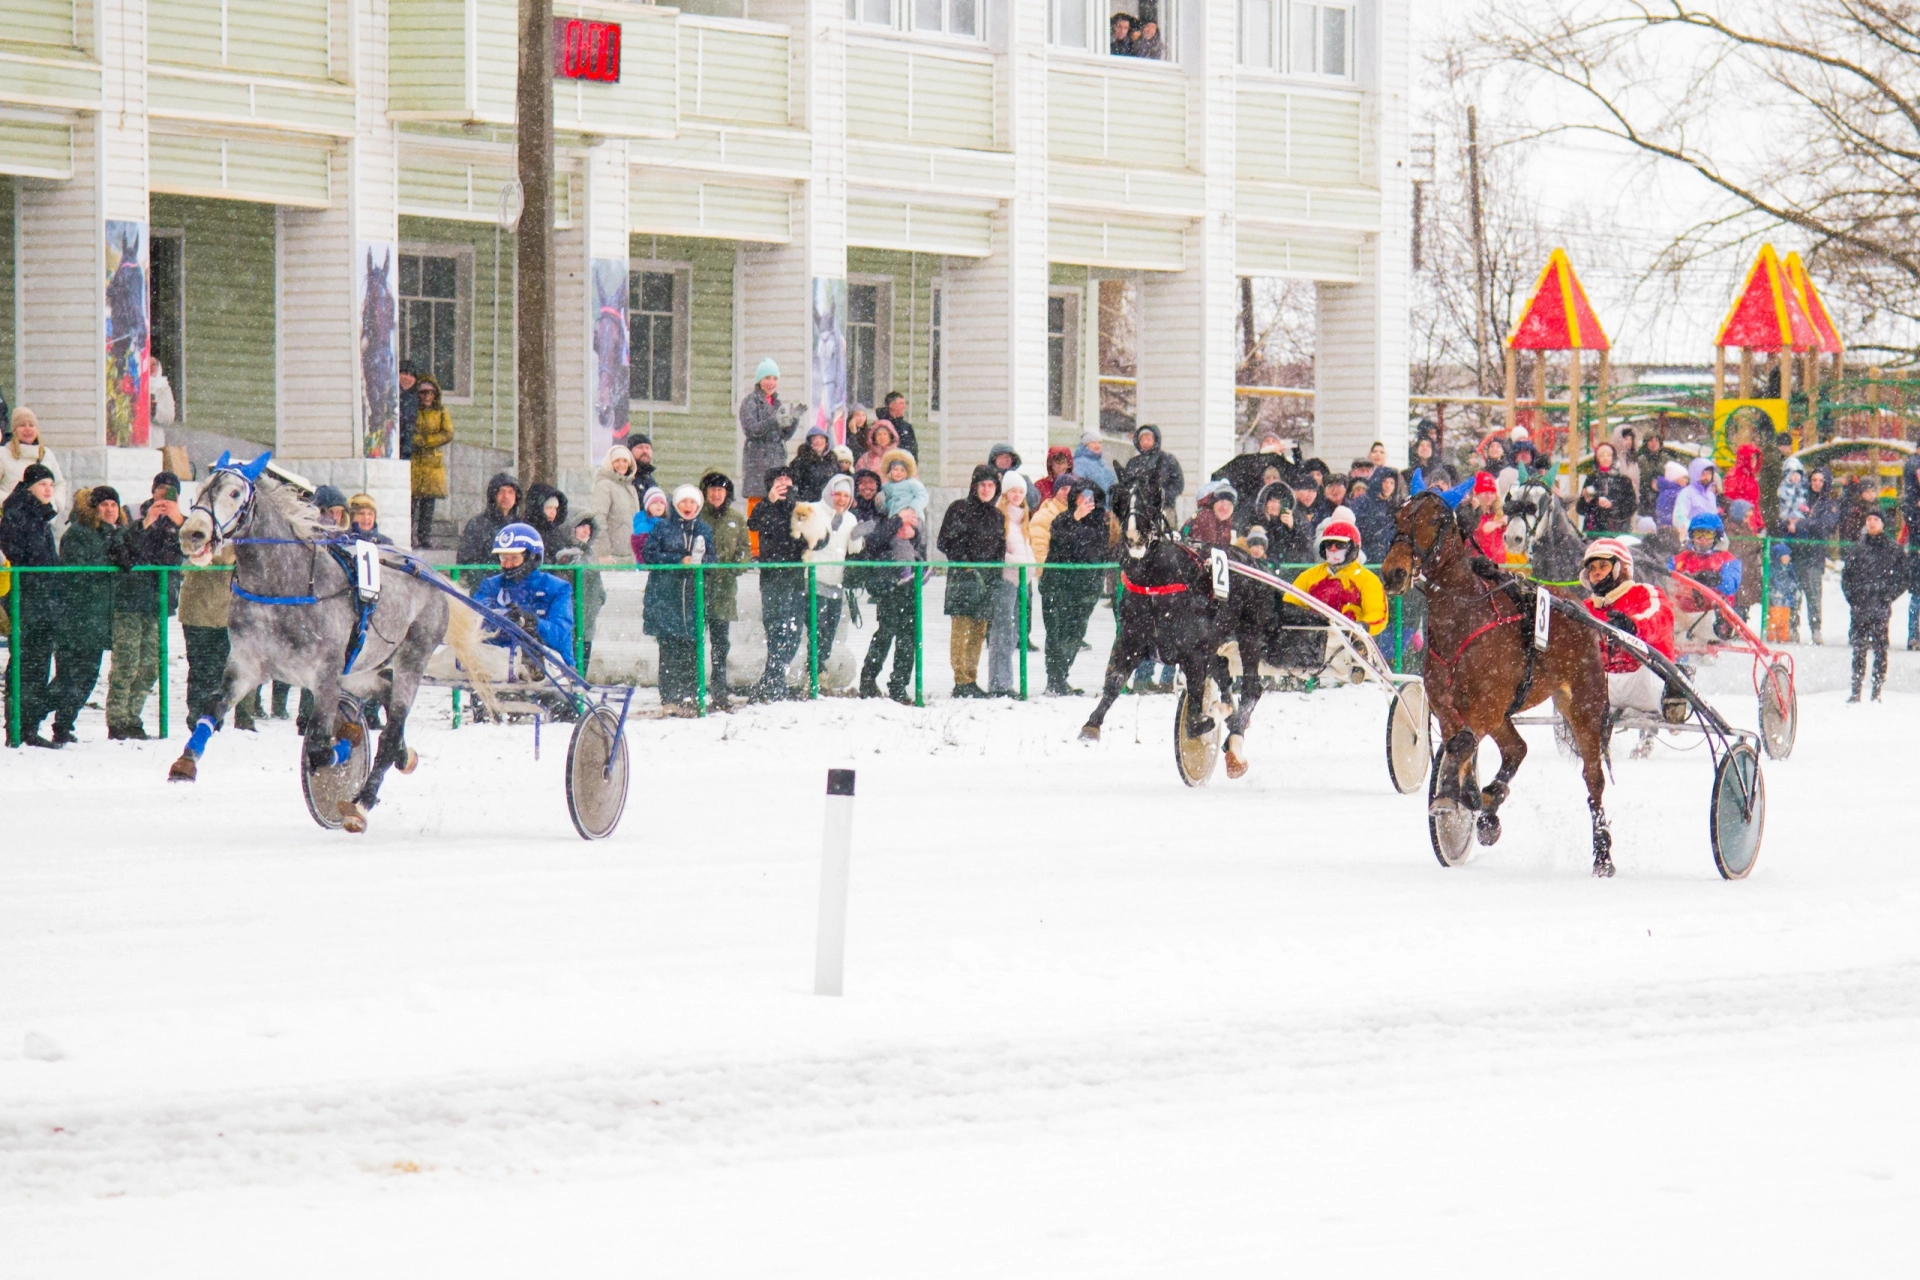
[836, 848]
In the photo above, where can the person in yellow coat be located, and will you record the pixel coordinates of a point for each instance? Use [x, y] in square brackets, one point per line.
[432, 433]
[1341, 581]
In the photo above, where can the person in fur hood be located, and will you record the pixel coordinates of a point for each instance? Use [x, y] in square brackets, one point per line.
[900, 474]
[583, 536]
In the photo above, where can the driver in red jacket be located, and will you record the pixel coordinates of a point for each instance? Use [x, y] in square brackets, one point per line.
[1640, 609]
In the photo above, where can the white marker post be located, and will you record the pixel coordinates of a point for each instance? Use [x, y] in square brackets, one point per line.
[836, 856]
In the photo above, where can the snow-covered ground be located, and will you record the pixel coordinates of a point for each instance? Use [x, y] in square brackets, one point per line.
[1096, 1024]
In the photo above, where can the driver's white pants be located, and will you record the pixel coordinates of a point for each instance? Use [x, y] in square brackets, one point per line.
[1637, 690]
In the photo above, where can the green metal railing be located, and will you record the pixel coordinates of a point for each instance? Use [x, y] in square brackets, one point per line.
[923, 571]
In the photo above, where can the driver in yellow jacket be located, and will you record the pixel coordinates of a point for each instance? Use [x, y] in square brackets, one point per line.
[1341, 581]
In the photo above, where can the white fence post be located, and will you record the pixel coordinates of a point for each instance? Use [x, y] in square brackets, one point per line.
[836, 847]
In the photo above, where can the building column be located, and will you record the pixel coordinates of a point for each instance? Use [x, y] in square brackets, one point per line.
[996, 307]
[1188, 347]
[338, 303]
[73, 299]
[1360, 363]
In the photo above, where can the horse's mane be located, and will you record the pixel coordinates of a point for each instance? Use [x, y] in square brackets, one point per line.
[298, 511]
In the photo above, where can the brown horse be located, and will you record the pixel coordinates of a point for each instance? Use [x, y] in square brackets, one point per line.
[1482, 669]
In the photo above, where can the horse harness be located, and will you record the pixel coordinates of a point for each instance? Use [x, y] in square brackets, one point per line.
[1520, 590]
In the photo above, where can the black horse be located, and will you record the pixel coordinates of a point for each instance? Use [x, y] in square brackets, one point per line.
[1167, 610]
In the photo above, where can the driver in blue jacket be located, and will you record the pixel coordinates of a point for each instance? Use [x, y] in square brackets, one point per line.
[540, 602]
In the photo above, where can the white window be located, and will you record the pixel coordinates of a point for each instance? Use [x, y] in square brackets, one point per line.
[936, 340]
[869, 340]
[1121, 28]
[1298, 37]
[657, 333]
[1320, 40]
[436, 315]
[1063, 354]
[944, 17]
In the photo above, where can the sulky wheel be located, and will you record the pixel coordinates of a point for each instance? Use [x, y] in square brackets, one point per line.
[1409, 741]
[1195, 756]
[1451, 832]
[1779, 712]
[1737, 814]
[597, 771]
[330, 789]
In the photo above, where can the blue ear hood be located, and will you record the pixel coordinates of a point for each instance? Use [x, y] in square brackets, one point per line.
[251, 470]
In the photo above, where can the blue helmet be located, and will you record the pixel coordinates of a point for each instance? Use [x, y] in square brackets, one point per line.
[1708, 521]
[522, 540]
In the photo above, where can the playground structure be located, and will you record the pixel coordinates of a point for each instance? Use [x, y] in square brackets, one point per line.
[1557, 317]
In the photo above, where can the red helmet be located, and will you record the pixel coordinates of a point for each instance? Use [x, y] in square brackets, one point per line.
[1339, 531]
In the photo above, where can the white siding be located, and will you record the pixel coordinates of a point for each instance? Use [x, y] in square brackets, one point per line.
[292, 171]
[921, 228]
[35, 150]
[672, 205]
[729, 75]
[930, 96]
[62, 269]
[1133, 115]
[319, 371]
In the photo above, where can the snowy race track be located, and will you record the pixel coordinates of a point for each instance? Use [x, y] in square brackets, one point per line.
[1096, 1024]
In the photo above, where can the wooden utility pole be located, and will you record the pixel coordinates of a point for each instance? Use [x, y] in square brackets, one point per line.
[1479, 255]
[538, 456]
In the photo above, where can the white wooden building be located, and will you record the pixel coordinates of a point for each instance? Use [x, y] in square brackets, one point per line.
[986, 177]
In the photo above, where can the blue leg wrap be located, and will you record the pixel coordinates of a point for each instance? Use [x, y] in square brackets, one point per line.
[342, 749]
[202, 730]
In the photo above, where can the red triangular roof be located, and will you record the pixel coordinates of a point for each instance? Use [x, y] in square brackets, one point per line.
[1558, 316]
[1816, 307]
[1767, 315]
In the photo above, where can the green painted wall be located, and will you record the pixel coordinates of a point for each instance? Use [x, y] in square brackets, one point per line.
[707, 435]
[474, 419]
[913, 277]
[228, 304]
[9, 317]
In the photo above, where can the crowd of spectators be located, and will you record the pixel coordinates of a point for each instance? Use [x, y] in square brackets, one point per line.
[859, 512]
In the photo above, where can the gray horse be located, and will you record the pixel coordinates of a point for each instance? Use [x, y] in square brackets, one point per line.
[296, 616]
[1540, 531]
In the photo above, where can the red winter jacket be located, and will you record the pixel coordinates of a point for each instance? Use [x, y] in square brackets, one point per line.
[1652, 621]
[1743, 482]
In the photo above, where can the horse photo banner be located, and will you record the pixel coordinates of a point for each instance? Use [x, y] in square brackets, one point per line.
[379, 350]
[129, 334]
[612, 358]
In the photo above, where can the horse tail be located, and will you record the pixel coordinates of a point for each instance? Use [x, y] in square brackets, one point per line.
[463, 637]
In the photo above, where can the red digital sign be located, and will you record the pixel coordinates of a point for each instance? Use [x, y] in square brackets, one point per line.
[584, 50]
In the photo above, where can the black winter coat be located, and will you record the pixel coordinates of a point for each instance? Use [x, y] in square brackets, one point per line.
[157, 544]
[26, 536]
[1160, 467]
[1072, 541]
[1611, 484]
[811, 471]
[1874, 578]
[476, 540]
[773, 521]
[973, 532]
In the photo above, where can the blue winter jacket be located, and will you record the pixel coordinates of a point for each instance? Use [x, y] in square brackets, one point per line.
[668, 609]
[1088, 465]
[546, 597]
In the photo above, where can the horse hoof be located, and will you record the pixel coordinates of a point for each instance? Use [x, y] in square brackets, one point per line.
[1089, 733]
[350, 731]
[185, 769]
[411, 762]
[1603, 868]
[1236, 763]
[1487, 829]
[352, 817]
